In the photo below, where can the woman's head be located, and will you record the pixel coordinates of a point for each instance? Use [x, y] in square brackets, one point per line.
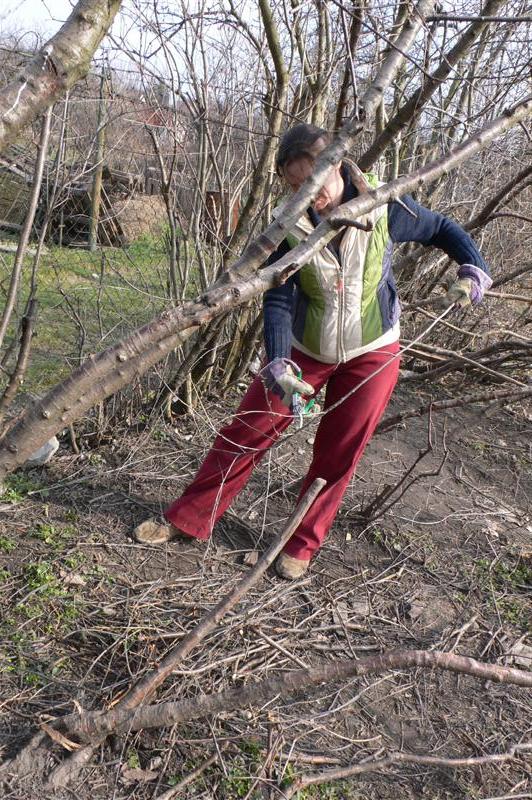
[297, 154]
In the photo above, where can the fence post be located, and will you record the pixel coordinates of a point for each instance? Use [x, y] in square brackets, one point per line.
[96, 194]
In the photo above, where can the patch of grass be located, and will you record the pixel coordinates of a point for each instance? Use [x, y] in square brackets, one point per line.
[7, 545]
[339, 790]
[42, 606]
[49, 602]
[378, 537]
[505, 572]
[89, 300]
[505, 576]
[53, 536]
[132, 757]
[158, 435]
[17, 486]
[237, 783]
[75, 560]
[40, 576]
[515, 612]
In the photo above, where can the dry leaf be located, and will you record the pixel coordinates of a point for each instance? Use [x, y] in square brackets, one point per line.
[137, 775]
[251, 558]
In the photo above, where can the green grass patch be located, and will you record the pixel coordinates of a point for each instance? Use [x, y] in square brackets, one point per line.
[17, 486]
[52, 535]
[7, 545]
[505, 572]
[87, 301]
[40, 605]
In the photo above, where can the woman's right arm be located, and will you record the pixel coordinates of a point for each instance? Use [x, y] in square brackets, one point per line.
[278, 304]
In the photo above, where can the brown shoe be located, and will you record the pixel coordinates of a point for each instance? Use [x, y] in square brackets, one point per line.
[155, 531]
[290, 568]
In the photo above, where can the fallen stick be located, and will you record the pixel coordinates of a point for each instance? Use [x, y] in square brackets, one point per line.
[388, 760]
[257, 694]
[151, 682]
[510, 395]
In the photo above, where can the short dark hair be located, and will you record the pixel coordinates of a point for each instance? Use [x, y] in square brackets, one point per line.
[297, 143]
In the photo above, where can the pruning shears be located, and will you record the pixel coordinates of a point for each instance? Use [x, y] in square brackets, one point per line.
[298, 408]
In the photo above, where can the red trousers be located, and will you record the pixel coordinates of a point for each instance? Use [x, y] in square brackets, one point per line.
[340, 440]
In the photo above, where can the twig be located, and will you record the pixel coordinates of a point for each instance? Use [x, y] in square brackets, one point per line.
[396, 758]
[508, 395]
[457, 361]
[191, 777]
[505, 296]
[369, 512]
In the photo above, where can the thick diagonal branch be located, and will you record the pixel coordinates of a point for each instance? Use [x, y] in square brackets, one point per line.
[256, 694]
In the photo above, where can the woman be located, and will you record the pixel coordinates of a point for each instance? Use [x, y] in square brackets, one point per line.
[335, 322]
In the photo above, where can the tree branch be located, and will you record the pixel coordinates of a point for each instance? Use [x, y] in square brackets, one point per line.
[257, 694]
[378, 764]
[415, 104]
[63, 60]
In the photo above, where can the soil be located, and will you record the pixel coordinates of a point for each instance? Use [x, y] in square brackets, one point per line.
[85, 611]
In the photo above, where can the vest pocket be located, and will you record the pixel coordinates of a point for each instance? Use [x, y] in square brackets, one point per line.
[394, 305]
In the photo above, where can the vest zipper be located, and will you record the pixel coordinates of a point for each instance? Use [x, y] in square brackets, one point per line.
[340, 286]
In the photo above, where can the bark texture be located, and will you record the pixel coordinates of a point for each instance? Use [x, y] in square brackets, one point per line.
[256, 694]
[63, 60]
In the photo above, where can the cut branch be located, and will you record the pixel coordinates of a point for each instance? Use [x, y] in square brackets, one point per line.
[89, 725]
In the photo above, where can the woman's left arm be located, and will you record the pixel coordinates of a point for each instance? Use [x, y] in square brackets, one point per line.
[419, 224]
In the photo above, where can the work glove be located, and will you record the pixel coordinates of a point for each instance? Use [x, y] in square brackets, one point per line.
[280, 376]
[468, 289]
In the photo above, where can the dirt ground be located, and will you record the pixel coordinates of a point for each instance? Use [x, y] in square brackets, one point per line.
[84, 611]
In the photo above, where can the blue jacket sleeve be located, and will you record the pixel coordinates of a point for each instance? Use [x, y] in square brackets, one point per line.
[278, 304]
[430, 228]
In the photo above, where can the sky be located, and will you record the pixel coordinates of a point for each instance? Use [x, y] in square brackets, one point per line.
[44, 16]
[33, 21]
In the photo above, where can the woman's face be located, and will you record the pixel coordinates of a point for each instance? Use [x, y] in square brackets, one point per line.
[330, 195]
